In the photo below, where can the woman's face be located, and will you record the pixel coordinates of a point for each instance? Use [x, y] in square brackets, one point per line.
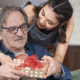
[47, 18]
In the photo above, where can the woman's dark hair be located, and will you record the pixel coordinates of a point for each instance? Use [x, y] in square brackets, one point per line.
[64, 11]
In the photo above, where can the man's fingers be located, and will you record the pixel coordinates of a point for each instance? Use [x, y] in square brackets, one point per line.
[13, 64]
[17, 72]
[16, 77]
[13, 76]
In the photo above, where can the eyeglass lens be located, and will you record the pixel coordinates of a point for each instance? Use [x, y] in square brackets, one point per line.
[14, 29]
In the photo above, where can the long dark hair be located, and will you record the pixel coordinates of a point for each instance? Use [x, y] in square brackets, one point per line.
[64, 11]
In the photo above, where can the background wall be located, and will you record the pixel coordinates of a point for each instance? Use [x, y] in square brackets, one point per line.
[4, 3]
[75, 38]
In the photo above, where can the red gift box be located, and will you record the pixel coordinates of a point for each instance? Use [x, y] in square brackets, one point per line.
[30, 65]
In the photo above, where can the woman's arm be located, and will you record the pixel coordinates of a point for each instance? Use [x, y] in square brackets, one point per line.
[62, 48]
[30, 13]
[61, 51]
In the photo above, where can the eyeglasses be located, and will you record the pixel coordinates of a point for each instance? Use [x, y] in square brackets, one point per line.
[14, 29]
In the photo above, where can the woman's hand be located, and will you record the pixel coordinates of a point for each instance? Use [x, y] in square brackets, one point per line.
[5, 58]
[54, 67]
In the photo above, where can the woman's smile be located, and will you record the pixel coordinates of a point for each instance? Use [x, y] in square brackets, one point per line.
[40, 25]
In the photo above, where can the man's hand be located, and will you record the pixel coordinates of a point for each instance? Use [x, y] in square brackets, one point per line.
[4, 58]
[8, 73]
[54, 67]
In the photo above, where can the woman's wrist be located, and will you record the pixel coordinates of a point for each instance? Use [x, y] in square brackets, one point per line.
[58, 58]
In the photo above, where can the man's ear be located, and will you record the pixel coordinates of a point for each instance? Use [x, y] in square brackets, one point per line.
[63, 23]
[1, 38]
[1, 35]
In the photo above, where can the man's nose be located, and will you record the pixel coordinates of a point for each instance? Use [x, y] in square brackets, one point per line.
[19, 32]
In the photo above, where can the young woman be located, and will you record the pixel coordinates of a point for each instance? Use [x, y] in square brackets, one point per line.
[50, 23]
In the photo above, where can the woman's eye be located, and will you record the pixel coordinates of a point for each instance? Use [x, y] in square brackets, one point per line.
[42, 13]
[49, 22]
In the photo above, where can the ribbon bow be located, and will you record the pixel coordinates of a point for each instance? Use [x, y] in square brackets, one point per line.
[30, 61]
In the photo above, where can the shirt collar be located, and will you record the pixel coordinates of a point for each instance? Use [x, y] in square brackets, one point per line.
[26, 46]
[3, 49]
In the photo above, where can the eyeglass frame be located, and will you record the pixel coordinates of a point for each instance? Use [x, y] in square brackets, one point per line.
[16, 27]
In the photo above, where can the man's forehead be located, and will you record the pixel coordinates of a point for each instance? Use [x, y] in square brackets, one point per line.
[14, 14]
[13, 18]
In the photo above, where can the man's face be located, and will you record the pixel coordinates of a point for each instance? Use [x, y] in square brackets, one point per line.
[14, 42]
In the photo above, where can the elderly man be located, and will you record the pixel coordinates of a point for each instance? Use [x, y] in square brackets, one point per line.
[13, 33]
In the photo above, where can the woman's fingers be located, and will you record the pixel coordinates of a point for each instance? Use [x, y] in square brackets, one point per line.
[51, 71]
[46, 67]
[45, 57]
[53, 67]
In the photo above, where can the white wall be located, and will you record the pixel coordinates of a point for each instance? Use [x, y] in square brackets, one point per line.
[75, 38]
[4, 3]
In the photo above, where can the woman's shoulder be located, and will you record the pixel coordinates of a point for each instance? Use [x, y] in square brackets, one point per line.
[37, 2]
[30, 12]
[28, 8]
